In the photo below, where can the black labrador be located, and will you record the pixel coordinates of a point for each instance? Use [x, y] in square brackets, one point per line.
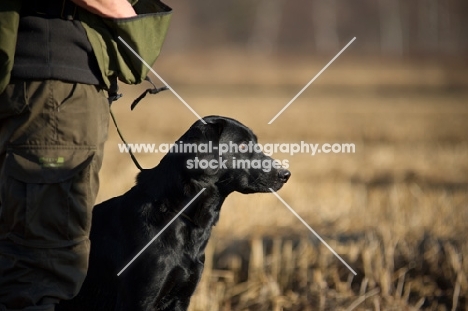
[166, 274]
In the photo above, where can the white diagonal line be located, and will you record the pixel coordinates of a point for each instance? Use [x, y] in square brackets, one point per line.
[160, 232]
[162, 80]
[310, 82]
[312, 230]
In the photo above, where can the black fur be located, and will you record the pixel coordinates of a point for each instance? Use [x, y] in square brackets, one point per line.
[165, 276]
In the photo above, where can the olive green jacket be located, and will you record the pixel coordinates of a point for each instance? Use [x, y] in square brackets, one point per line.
[144, 34]
[9, 20]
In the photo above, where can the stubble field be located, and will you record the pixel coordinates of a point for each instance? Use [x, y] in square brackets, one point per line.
[396, 210]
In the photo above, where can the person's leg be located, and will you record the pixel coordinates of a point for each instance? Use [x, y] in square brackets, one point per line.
[51, 144]
[36, 279]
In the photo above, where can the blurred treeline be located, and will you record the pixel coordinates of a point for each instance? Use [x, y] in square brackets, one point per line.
[389, 28]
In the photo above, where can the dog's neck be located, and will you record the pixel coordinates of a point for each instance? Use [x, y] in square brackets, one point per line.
[171, 195]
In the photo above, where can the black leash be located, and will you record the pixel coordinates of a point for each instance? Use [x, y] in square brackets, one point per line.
[152, 91]
[115, 95]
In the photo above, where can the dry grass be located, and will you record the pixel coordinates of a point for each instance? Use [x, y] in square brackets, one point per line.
[396, 210]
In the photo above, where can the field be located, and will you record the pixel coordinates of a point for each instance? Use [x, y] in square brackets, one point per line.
[396, 210]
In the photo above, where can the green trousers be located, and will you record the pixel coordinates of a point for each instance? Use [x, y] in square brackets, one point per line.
[51, 146]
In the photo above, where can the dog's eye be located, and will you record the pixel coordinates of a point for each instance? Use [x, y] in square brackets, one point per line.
[243, 147]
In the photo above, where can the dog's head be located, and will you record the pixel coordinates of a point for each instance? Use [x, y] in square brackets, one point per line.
[223, 152]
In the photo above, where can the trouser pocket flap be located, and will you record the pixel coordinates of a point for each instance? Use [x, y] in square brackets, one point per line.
[46, 165]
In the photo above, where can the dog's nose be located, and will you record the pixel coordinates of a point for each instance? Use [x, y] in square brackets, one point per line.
[284, 175]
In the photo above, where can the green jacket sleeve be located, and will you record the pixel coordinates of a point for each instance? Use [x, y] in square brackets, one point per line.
[9, 21]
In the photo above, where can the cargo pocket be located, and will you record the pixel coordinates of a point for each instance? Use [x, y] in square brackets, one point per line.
[47, 196]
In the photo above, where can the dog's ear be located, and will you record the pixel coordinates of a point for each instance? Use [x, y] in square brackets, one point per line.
[213, 128]
[206, 136]
[211, 133]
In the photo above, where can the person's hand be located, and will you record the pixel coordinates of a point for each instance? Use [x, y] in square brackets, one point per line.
[108, 8]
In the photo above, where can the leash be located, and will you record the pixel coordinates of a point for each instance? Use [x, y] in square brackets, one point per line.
[153, 91]
[115, 95]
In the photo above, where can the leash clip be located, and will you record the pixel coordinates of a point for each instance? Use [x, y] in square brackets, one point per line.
[152, 91]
